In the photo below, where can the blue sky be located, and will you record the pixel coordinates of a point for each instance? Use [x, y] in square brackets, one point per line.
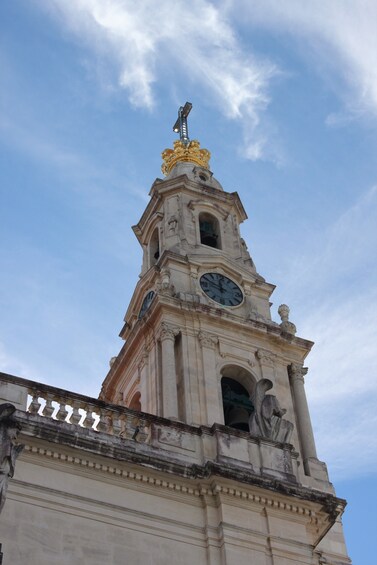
[284, 96]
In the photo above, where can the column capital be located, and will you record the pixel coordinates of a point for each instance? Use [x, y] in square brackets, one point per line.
[297, 372]
[208, 340]
[168, 332]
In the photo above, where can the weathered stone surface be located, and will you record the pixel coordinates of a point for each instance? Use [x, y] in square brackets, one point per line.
[9, 450]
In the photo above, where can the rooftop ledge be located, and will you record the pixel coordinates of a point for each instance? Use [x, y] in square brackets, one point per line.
[61, 417]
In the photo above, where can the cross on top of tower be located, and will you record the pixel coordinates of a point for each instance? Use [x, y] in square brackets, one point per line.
[184, 150]
[180, 125]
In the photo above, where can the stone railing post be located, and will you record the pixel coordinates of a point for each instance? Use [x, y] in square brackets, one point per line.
[304, 426]
[169, 377]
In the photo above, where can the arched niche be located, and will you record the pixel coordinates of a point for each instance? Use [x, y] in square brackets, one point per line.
[135, 403]
[154, 248]
[209, 229]
[236, 388]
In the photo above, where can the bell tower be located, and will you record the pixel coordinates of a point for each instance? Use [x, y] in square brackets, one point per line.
[201, 444]
[200, 345]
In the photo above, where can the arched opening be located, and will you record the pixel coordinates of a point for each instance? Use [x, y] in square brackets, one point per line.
[236, 386]
[135, 403]
[209, 230]
[154, 248]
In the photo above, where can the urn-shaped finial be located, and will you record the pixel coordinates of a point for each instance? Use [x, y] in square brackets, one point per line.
[286, 326]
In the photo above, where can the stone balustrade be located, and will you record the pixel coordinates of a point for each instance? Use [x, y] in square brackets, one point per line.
[87, 412]
[77, 410]
[167, 439]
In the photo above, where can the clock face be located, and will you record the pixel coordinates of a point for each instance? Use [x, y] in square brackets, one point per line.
[221, 289]
[146, 303]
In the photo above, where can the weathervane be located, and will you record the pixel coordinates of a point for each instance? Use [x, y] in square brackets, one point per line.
[180, 125]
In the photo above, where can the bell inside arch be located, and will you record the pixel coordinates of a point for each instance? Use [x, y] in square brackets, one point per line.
[237, 404]
[238, 418]
[207, 234]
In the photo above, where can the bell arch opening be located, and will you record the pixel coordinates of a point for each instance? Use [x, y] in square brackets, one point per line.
[236, 387]
[209, 230]
[154, 248]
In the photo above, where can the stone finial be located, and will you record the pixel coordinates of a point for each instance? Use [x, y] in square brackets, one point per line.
[9, 450]
[286, 326]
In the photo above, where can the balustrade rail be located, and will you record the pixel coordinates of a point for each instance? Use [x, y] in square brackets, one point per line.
[79, 410]
[88, 413]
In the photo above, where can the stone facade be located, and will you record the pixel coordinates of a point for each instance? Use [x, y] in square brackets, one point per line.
[187, 457]
[98, 483]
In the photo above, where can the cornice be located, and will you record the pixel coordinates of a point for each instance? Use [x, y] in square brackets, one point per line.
[215, 483]
[98, 451]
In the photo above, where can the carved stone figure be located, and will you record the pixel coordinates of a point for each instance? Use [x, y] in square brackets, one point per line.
[9, 451]
[267, 419]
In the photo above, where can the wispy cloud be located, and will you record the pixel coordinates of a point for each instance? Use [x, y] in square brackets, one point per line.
[342, 35]
[338, 276]
[194, 40]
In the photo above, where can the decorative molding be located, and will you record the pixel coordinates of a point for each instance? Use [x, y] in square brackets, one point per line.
[214, 489]
[199, 202]
[168, 332]
[132, 391]
[207, 340]
[297, 372]
[266, 357]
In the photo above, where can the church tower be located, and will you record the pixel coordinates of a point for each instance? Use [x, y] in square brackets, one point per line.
[200, 449]
[200, 345]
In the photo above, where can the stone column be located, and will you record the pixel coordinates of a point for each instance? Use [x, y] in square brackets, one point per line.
[211, 390]
[304, 426]
[169, 378]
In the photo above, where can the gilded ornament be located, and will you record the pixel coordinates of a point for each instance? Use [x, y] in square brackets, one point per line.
[189, 153]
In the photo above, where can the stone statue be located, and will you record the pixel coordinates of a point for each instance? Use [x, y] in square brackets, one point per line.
[9, 451]
[267, 419]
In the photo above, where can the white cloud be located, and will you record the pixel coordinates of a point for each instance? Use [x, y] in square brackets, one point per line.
[197, 42]
[341, 34]
[192, 39]
[338, 277]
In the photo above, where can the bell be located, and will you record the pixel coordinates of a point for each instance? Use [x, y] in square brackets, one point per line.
[238, 418]
[207, 234]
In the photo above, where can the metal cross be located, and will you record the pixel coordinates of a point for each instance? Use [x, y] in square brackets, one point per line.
[180, 125]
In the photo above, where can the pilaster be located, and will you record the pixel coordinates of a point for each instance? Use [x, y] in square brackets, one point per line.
[169, 379]
[208, 343]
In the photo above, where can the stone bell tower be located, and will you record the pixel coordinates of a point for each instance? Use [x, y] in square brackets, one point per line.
[200, 345]
[198, 331]
[200, 449]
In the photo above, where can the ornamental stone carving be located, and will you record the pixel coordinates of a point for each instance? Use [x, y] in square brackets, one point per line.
[9, 450]
[168, 332]
[172, 225]
[297, 372]
[267, 419]
[286, 326]
[266, 357]
[165, 286]
[207, 340]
